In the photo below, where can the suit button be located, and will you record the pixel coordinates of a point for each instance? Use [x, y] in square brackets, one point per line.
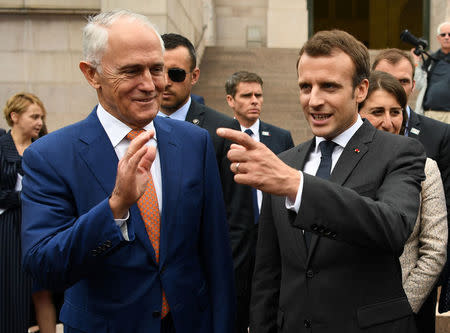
[314, 227]
[307, 323]
[108, 243]
[321, 230]
[333, 235]
[327, 232]
[309, 273]
[94, 253]
[156, 314]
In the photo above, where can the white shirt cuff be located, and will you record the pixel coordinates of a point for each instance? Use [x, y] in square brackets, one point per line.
[122, 224]
[295, 206]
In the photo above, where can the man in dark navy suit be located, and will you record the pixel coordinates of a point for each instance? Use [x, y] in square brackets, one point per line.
[245, 96]
[133, 227]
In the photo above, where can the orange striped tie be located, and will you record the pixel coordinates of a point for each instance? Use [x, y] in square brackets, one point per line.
[148, 206]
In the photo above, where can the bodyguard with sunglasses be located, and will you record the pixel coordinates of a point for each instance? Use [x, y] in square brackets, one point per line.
[436, 102]
[182, 74]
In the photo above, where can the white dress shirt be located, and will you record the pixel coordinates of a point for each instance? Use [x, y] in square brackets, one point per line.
[255, 136]
[117, 131]
[180, 114]
[313, 161]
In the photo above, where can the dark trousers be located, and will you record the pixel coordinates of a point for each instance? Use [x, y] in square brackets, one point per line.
[167, 325]
[426, 317]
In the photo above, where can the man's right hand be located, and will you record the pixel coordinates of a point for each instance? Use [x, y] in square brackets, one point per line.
[256, 165]
[133, 172]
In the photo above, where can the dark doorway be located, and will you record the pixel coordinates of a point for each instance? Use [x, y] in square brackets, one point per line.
[377, 23]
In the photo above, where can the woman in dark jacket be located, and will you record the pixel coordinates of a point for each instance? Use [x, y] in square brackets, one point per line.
[25, 114]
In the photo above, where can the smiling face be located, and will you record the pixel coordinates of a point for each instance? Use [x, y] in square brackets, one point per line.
[176, 94]
[247, 102]
[131, 80]
[29, 122]
[327, 96]
[383, 111]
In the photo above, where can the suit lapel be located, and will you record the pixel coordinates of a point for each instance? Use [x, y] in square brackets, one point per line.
[171, 161]
[265, 135]
[195, 115]
[413, 125]
[356, 148]
[98, 153]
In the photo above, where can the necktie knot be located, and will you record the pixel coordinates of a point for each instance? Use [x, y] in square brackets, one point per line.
[249, 131]
[326, 148]
[134, 133]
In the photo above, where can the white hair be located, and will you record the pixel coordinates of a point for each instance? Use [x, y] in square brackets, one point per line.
[95, 33]
[440, 26]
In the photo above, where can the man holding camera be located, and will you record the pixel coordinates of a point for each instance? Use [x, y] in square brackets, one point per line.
[433, 78]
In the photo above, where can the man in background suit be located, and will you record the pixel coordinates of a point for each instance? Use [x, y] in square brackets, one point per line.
[435, 137]
[245, 96]
[136, 234]
[328, 245]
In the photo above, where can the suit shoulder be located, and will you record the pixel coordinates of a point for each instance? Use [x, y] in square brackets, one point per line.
[431, 126]
[216, 116]
[393, 142]
[275, 129]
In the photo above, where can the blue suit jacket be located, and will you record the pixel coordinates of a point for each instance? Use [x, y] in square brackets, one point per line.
[70, 239]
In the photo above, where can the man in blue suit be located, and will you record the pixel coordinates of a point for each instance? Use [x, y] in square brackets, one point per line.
[83, 194]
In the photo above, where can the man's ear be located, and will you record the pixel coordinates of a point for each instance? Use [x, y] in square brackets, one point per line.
[230, 101]
[90, 73]
[361, 90]
[195, 75]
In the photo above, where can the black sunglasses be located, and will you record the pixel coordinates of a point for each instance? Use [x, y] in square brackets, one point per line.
[176, 74]
[445, 33]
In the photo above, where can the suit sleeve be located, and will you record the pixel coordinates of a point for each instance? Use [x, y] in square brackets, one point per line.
[267, 275]
[60, 246]
[383, 221]
[432, 239]
[215, 248]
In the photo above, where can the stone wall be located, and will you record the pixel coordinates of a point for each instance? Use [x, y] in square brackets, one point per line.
[40, 48]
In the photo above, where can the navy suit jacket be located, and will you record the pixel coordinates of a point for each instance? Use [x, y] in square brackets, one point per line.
[70, 239]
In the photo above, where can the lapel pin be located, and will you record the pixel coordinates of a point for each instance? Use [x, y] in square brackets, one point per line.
[415, 131]
[195, 121]
[265, 133]
[357, 150]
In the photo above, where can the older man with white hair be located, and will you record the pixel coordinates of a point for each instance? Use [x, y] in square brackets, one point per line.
[124, 210]
[434, 77]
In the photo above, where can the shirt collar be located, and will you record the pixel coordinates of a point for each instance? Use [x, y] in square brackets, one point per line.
[254, 127]
[343, 138]
[114, 128]
[180, 114]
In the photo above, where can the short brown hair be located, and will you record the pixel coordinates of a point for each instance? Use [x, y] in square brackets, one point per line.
[238, 77]
[324, 43]
[19, 103]
[379, 80]
[393, 56]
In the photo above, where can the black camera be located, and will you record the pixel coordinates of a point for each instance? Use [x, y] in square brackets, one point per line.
[419, 43]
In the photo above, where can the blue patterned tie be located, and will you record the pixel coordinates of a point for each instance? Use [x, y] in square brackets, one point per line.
[324, 171]
[254, 194]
